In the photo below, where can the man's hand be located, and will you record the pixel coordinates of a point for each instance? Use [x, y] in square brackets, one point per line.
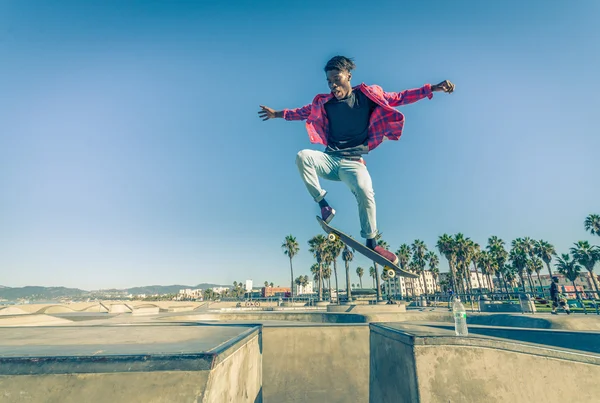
[268, 113]
[445, 86]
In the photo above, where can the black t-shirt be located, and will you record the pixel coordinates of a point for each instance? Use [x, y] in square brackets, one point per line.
[349, 124]
[553, 290]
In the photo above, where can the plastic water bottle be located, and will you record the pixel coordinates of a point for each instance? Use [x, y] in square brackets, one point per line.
[460, 318]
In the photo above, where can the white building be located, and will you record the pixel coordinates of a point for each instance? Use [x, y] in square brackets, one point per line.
[248, 285]
[479, 281]
[220, 290]
[304, 289]
[190, 293]
[402, 286]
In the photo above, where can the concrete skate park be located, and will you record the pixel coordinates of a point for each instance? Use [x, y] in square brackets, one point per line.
[199, 352]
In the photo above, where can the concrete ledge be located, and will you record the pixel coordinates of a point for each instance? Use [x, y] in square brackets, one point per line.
[367, 309]
[411, 363]
[131, 363]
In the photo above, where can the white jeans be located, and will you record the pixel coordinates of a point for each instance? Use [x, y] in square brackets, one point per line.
[314, 164]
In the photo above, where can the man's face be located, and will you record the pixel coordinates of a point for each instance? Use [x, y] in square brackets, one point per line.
[339, 83]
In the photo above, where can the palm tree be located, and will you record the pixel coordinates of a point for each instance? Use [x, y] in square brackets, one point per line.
[499, 255]
[536, 266]
[463, 257]
[315, 270]
[474, 250]
[509, 273]
[360, 272]
[592, 224]
[545, 251]
[434, 268]
[272, 285]
[404, 255]
[373, 274]
[528, 245]
[570, 268]
[484, 262]
[446, 247]
[587, 256]
[384, 245]
[518, 256]
[266, 284]
[419, 251]
[347, 256]
[335, 248]
[291, 248]
[317, 246]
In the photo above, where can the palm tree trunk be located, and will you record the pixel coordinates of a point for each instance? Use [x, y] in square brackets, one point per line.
[522, 281]
[360, 280]
[530, 283]
[337, 290]
[348, 289]
[320, 281]
[540, 281]
[549, 270]
[595, 282]
[505, 284]
[292, 270]
[576, 292]
[377, 281]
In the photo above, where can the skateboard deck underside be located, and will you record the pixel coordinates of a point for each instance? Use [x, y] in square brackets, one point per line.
[364, 250]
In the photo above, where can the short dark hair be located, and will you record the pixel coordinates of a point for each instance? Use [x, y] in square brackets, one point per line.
[340, 63]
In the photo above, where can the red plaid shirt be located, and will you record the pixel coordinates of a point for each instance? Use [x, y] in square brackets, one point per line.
[386, 123]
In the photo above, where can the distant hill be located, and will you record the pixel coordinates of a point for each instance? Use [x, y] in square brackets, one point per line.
[41, 293]
[51, 293]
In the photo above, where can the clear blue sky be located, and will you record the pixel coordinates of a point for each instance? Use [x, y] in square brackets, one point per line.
[131, 152]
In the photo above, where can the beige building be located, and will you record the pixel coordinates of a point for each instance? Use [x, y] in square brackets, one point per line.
[584, 280]
[402, 286]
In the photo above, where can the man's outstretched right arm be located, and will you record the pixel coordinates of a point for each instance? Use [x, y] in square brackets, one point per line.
[267, 113]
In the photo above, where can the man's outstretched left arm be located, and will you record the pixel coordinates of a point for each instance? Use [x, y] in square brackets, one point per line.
[410, 96]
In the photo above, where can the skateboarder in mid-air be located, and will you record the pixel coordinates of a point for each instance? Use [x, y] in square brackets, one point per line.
[350, 122]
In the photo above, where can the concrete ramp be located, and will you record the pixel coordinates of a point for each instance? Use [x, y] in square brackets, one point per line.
[119, 308]
[56, 309]
[12, 310]
[147, 309]
[131, 364]
[32, 320]
[410, 363]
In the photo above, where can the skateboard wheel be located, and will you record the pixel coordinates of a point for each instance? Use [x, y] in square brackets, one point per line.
[390, 273]
[384, 276]
[332, 237]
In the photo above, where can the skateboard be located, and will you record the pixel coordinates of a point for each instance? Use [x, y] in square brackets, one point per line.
[389, 269]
